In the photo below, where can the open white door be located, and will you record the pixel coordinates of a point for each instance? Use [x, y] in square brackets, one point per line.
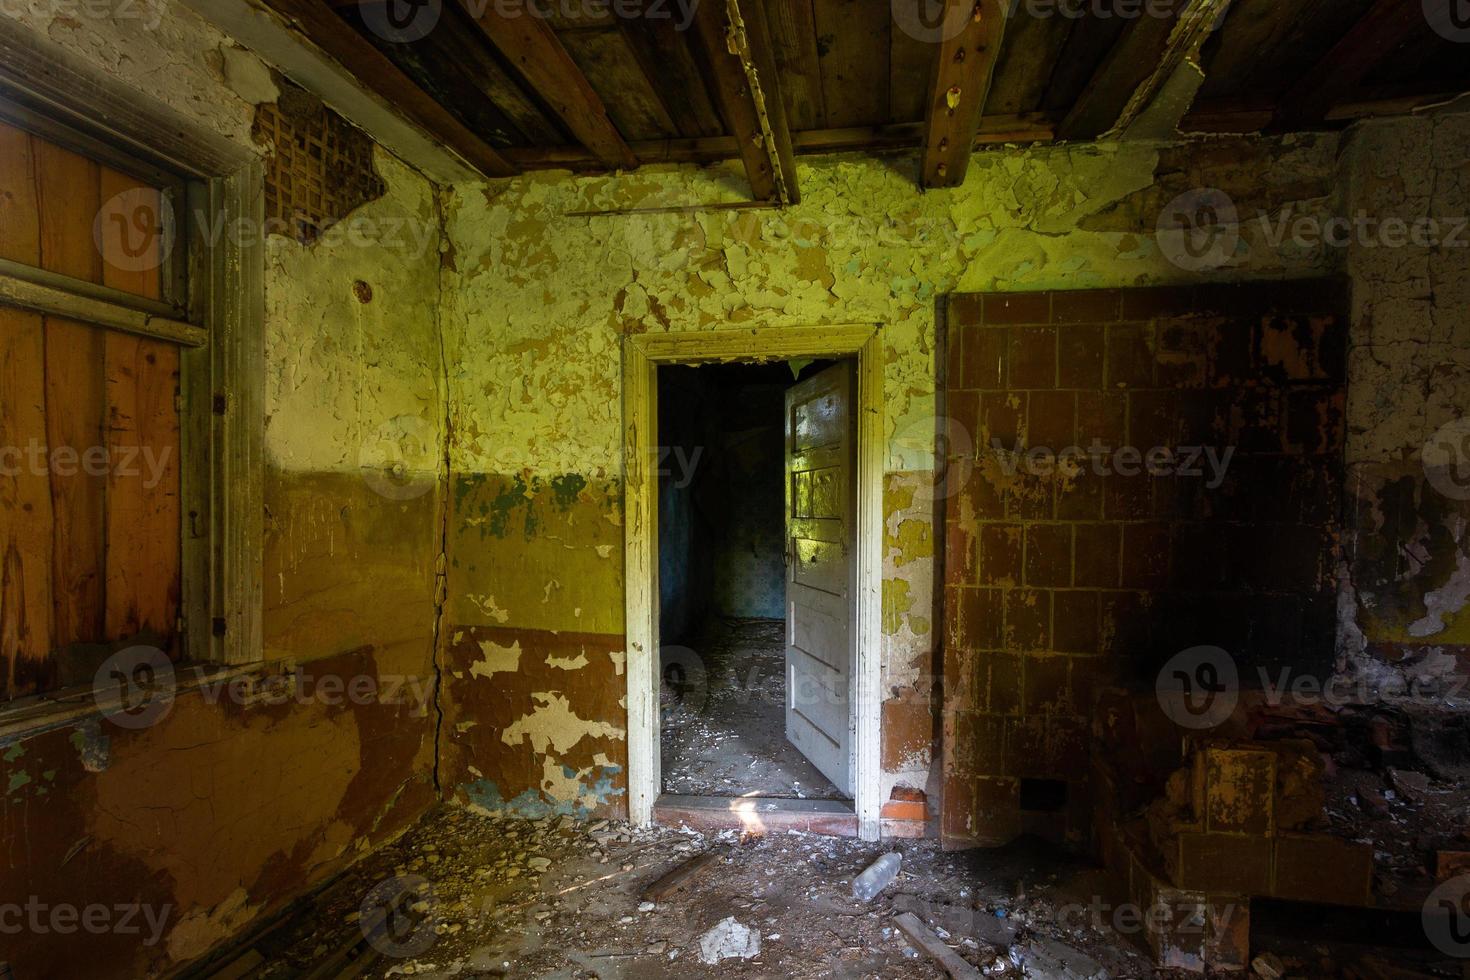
[821, 571]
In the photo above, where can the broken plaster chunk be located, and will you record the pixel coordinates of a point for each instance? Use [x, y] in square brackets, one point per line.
[730, 939]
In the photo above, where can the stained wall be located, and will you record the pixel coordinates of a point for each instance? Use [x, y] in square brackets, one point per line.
[220, 811]
[535, 584]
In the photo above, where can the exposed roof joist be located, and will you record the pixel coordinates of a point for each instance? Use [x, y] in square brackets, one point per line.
[373, 71]
[1137, 68]
[735, 43]
[963, 69]
[532, 47]
[1386, 25]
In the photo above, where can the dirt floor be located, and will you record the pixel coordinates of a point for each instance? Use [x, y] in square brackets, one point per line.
[476, 895]
[724, 723]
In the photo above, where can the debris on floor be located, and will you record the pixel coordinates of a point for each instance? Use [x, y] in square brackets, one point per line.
[729, 940]
[467, 894]
[723, 717]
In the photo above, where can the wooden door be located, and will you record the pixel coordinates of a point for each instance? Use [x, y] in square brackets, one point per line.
[821, 571]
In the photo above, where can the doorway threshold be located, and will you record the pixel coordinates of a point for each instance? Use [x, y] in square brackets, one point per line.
[756, 815]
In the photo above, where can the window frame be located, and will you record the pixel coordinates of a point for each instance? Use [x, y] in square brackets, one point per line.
[213, 308]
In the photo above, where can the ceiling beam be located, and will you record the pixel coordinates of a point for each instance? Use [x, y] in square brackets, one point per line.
[1131, 65]
[894, 138]
[1386, 25]
[529, 43]
[960, 84]
[368, 67]
[735, 45]
[1194, 27]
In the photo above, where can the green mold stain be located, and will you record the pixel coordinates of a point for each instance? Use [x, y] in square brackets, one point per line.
[17, 780]
[566, 489]
[13, 753]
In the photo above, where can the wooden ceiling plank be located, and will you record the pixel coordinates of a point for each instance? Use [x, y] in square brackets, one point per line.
[747, 90]
[605, 56]
[1029, 54]
[1386, 25]
[1193, 28]
[460, 44]
[1132, 62]
[794, 39]
[963, 71]
[853, 50]
[898, 137]
[662, 51]
[376, 73]
[533, 49]
[910, 63]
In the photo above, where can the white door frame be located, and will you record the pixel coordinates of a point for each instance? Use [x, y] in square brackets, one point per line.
[642, 354]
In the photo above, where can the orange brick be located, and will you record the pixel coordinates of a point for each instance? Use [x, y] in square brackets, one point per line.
[1237, 863]
[1238, 787]
[1318, 868]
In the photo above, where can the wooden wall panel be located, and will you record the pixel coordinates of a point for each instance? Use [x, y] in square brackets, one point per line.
[25, 500]
[89, 429]
[68, 197]
[141, 381]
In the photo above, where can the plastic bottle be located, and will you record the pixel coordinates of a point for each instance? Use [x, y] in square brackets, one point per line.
[878, 876]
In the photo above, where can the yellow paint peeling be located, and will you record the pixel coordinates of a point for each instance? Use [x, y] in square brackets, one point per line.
[497, 659]
[553, 725]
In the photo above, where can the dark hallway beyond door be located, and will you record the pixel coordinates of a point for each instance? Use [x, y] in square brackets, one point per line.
[724, 726]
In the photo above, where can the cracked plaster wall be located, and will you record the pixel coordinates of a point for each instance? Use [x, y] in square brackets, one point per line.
[219, 814]
[1406, 573]
[537, 303]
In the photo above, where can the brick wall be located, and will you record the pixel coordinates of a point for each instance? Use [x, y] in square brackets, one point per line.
[1061, 577]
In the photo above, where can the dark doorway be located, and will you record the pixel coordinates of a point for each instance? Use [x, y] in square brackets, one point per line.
[722, 583]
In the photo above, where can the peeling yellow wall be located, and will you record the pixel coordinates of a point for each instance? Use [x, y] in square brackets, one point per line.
[536, 305]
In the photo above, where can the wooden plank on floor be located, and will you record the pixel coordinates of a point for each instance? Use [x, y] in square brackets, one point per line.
[68, 196]
[924, 938]
[25, 496]
[681, 875]
[141, 377]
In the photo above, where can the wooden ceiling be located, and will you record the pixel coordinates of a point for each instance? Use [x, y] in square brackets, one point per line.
[515, 85]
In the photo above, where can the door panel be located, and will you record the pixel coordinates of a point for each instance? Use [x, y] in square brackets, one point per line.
[821, 571]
